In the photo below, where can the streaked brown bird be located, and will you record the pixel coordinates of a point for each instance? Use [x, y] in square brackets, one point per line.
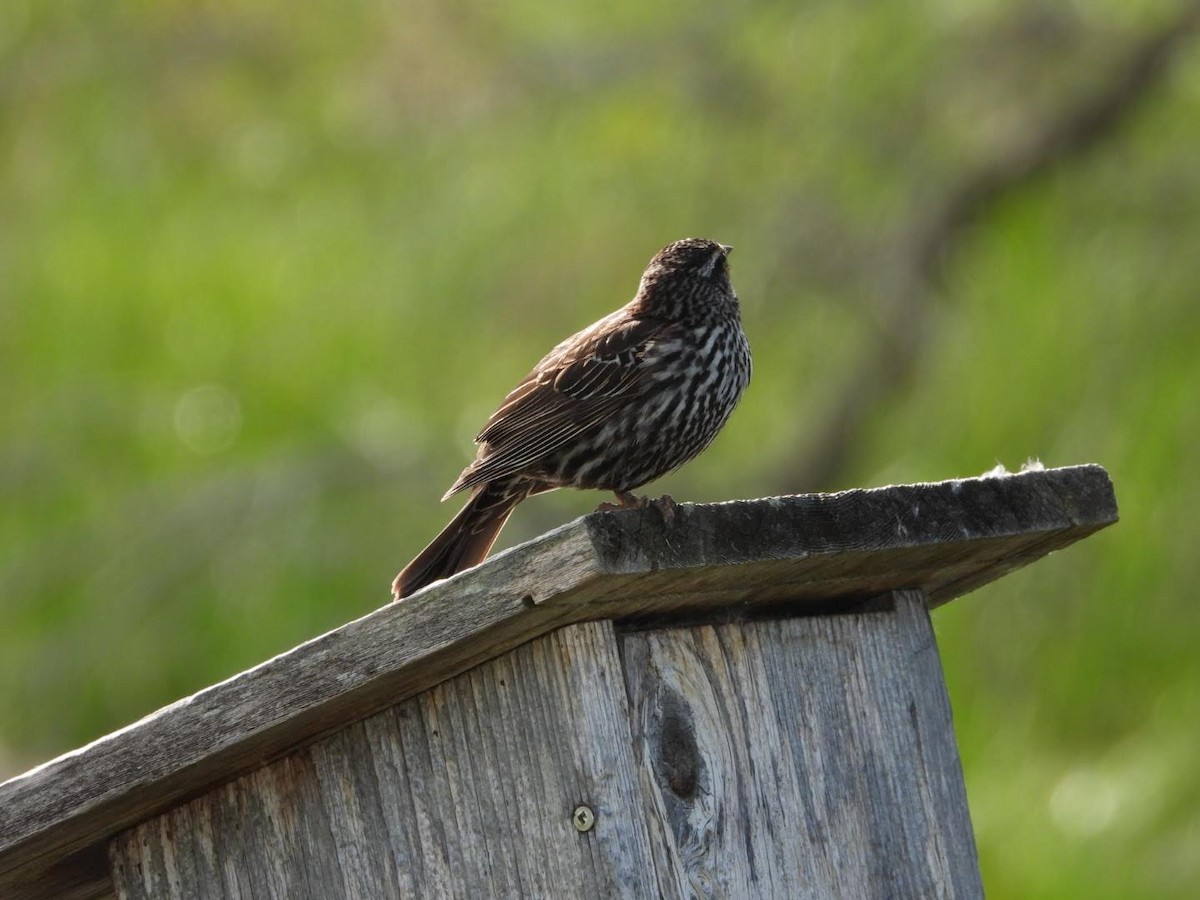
[617, 405]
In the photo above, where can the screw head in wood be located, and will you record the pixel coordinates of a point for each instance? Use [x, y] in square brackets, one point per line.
[583, 818]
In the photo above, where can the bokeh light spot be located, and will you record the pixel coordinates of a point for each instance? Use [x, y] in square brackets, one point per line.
[208, 419]
[1084, 802]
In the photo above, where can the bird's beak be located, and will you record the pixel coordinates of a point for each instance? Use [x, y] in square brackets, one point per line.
[725, 248]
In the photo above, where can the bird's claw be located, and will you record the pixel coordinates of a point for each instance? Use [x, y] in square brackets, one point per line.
[625, 500]
[665, 504]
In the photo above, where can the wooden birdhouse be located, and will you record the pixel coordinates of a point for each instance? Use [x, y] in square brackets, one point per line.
[740, 700]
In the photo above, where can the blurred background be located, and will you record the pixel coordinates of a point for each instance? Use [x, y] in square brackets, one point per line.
[266, 268]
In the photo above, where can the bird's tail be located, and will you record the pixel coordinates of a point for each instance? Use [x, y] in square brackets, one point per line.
[466, 540]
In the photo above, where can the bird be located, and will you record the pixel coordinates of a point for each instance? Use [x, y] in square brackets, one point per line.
[619, 404]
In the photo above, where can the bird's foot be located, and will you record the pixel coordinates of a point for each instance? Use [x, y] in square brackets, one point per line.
[665, 504]
[625, 500]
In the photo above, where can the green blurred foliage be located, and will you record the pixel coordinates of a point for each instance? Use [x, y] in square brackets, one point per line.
[265, 268]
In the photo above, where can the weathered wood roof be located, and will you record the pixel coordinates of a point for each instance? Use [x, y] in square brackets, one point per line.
[745, 558]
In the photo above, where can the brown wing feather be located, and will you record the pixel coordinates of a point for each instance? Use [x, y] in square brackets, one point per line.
[576, 386]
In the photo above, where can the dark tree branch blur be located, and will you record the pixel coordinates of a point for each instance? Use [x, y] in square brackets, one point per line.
[906, 301]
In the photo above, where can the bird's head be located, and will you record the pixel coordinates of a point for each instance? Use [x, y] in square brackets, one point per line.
[687, 273]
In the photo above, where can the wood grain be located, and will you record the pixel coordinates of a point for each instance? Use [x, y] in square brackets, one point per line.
[465, 791]
[732, 559]
[806, 757]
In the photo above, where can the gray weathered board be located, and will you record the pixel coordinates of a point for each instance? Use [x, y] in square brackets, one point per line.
[804, 757]
[746, 558]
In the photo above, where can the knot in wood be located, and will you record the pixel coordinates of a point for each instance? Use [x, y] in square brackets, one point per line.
[679, 761]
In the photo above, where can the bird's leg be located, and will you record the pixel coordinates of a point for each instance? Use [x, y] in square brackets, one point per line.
[625, 500]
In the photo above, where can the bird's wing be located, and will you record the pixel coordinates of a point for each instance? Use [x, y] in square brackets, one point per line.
[575, 387]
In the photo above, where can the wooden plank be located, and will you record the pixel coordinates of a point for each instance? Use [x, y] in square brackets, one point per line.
[464, 791]
[806, 758]
[735, 558]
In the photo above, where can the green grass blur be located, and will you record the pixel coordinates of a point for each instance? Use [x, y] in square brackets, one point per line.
[265, 269]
